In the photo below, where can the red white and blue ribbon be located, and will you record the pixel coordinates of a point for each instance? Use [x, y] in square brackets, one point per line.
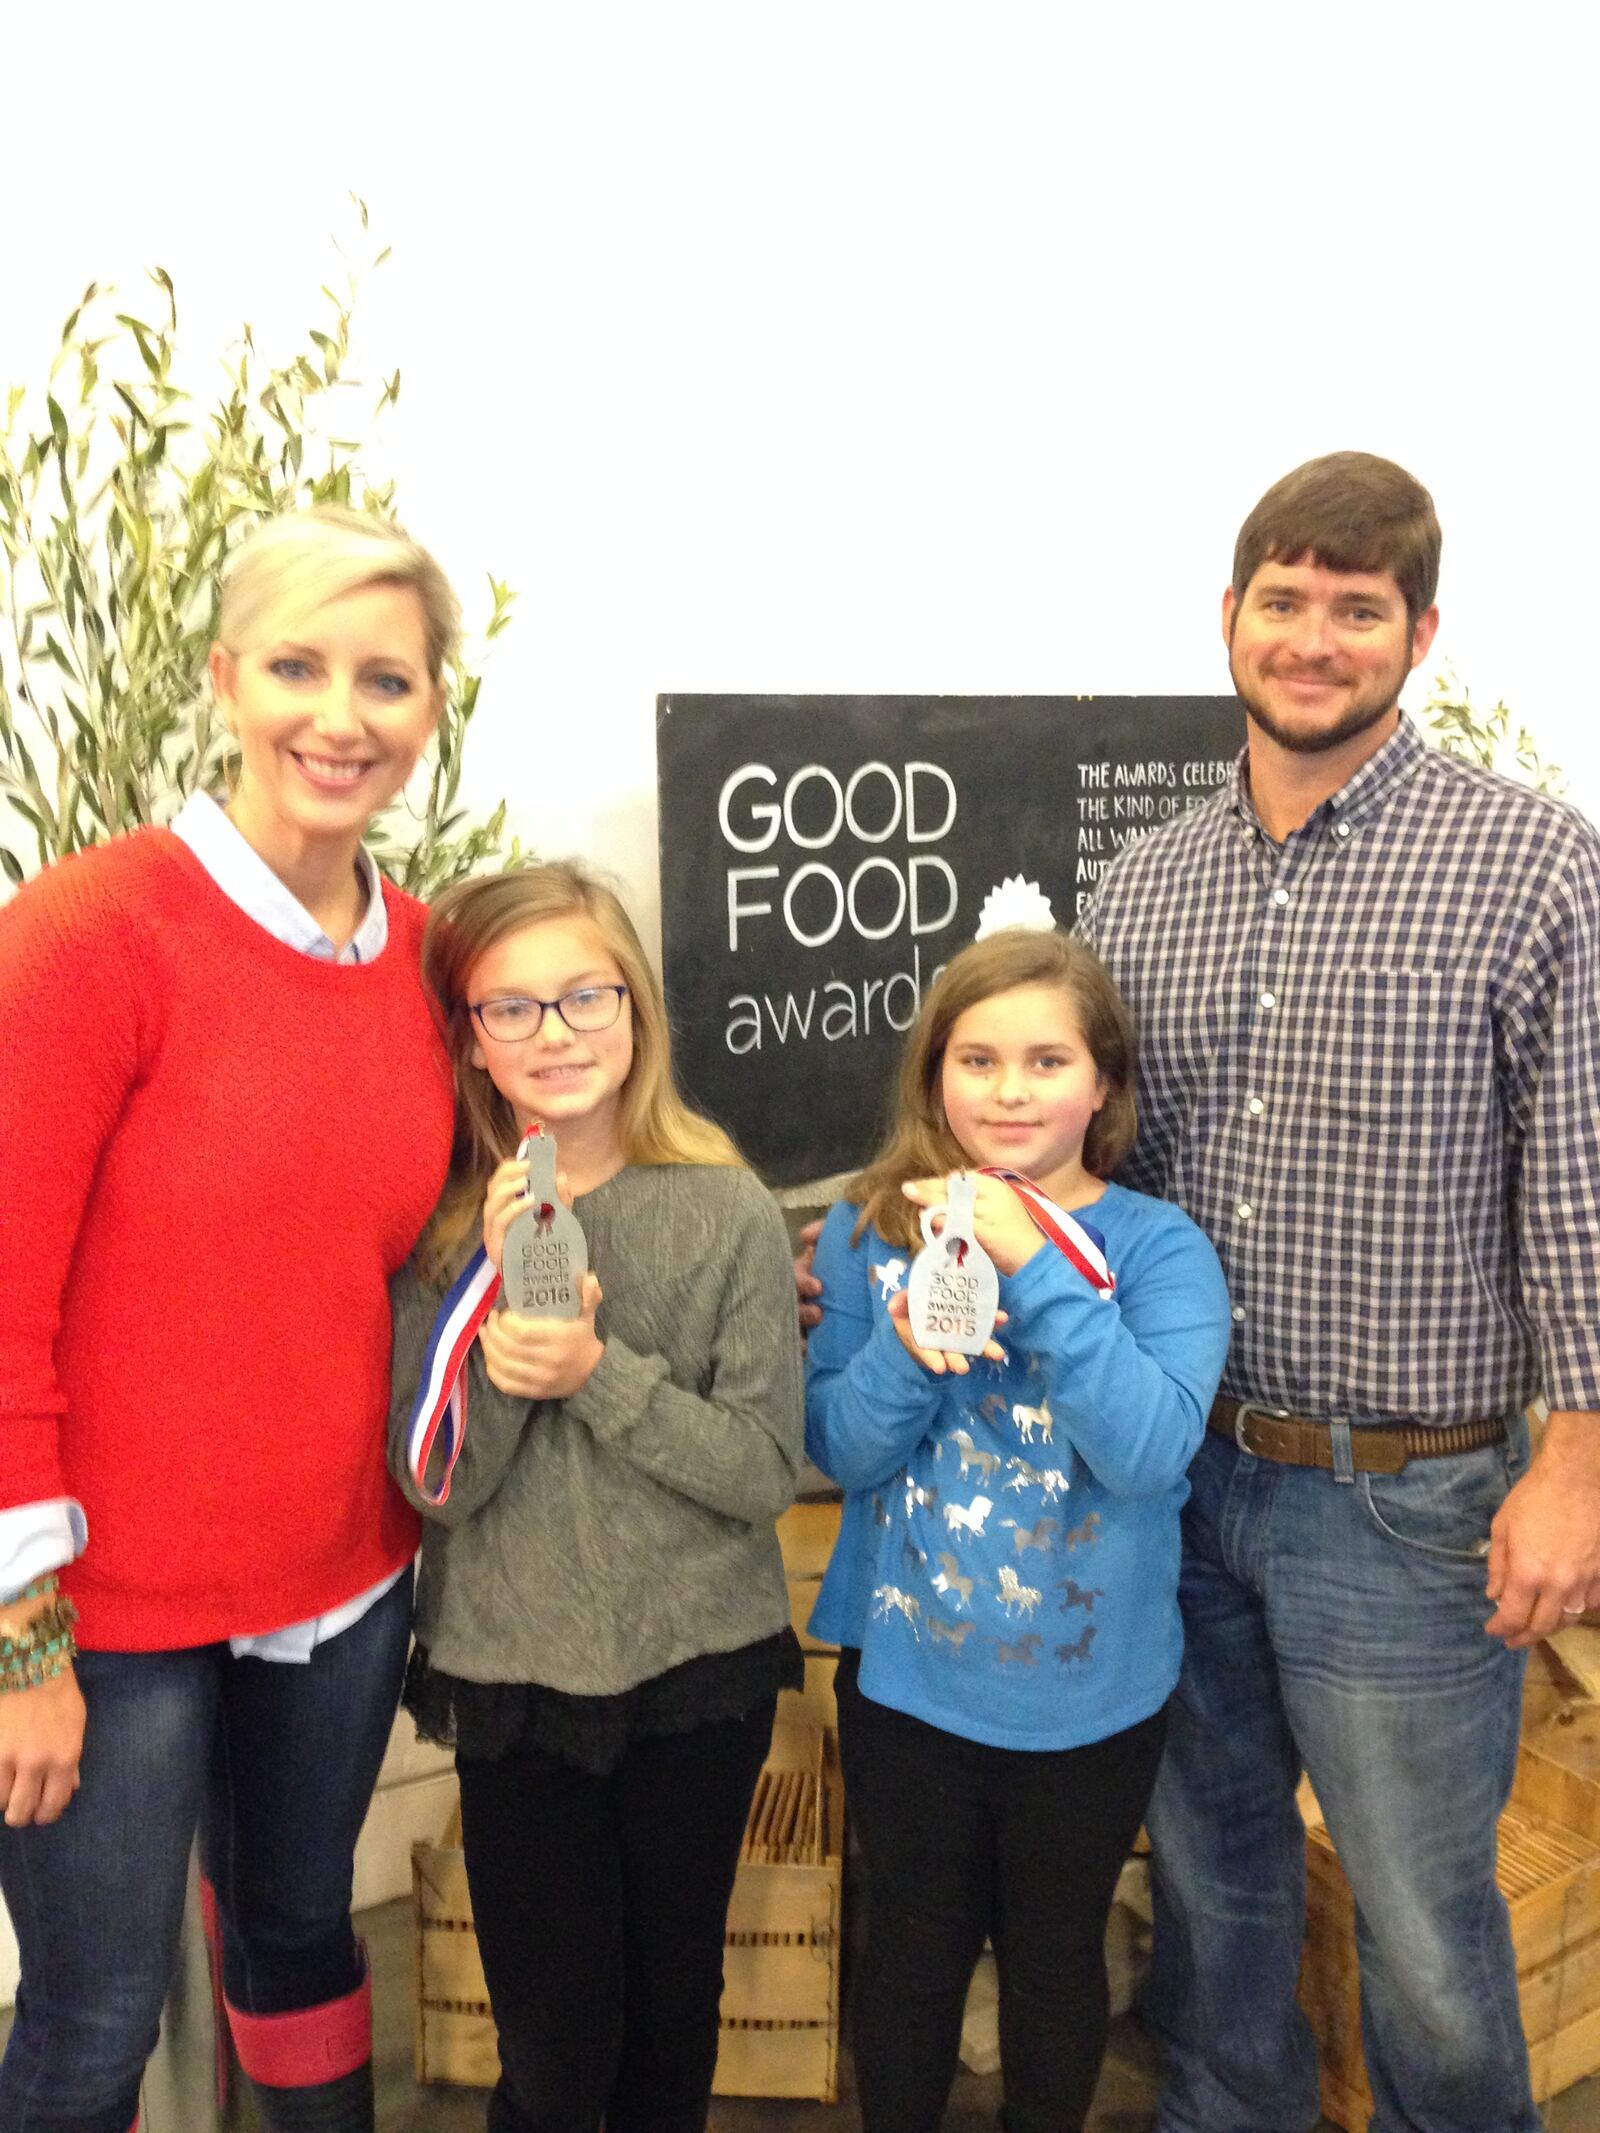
[1078, 1243]
[439, 1415]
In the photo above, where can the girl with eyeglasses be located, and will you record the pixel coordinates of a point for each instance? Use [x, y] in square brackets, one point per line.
[602, 1619]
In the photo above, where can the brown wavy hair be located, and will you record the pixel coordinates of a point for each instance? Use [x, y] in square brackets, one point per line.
[920, 1143]
[469, 918]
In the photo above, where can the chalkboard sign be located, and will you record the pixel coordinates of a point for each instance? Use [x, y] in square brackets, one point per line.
[823, 856]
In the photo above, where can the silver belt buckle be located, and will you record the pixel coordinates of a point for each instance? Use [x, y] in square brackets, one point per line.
[1253, 1407]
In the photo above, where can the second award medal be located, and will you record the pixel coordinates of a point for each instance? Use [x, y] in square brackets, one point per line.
[953, 1292]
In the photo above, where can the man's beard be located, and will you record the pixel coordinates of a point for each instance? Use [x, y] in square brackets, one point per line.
[1369, 705]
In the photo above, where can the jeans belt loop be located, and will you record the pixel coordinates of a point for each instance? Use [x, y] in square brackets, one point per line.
[1344, 1464]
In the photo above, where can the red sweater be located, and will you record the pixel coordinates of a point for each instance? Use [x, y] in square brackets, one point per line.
[214, 1152]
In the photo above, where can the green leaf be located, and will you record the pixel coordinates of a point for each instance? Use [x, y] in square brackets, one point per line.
[29, 815]
[11, 865]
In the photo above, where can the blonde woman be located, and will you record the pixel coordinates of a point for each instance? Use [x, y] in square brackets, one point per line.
[225, 1118]
[602, 1619]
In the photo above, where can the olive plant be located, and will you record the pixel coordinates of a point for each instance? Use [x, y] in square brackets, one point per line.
[120, 500]
[1461, 727]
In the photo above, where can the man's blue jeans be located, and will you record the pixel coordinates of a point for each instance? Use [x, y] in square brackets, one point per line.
[276, 1764]
[1338, 1625]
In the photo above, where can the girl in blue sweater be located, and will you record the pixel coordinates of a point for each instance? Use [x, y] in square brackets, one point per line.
[1005, 1582]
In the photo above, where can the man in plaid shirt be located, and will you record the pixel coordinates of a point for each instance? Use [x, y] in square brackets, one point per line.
[1367, 981]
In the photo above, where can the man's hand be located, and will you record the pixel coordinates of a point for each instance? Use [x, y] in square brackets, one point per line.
[543, 1358]
[1544, 1544]
[41, 1740]
[807, 1287]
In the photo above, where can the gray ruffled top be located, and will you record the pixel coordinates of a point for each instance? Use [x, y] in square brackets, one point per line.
[593, 1544]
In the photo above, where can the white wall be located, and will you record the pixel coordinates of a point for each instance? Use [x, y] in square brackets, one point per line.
[867, 347]
[874, 347]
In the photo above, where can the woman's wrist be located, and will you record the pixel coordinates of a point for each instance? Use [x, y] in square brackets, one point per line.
[36, 1635]
[20, 1609]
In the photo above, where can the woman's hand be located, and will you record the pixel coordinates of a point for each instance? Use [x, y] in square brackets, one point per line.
[41, 1740]
[505, 1199]
[939, 1360]
[1000, 1221]
[542, 1358]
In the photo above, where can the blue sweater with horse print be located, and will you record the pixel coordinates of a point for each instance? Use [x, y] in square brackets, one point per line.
[1007, 1560]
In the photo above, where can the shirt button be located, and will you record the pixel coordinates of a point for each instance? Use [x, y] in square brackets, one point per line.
[1238, 1314]
[1269, 999]
[1244, 1211]
[1280, 896]
[1341, 829]
[1255, 1107]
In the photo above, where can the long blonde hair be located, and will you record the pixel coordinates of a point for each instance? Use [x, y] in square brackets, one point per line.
[655, 1124]
[920, 1143]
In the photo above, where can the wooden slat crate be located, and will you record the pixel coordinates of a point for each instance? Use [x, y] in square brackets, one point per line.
[780, 2001]
[780, 1996]
[806, 1534]
[1549, 1874]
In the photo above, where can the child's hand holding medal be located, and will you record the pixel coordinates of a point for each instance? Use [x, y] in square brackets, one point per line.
[1001, 1222]
[543, 1345]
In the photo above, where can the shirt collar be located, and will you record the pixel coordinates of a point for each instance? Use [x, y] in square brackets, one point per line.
[244, 877]
[1366, 788]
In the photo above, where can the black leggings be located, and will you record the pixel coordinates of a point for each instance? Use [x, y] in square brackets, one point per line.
[600, 1904]
[965, 1842]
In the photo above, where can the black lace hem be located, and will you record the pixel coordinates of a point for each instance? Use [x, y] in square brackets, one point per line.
[484, 1720]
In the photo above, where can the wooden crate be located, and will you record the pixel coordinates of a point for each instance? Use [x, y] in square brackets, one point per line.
[814, 1705]
[780, 1995]
[1549, 1874]
[802, 1598]
[455, 2035]
[780, 2000]
[806, 1534]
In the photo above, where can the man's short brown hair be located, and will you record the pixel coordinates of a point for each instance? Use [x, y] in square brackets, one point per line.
[1347, 511]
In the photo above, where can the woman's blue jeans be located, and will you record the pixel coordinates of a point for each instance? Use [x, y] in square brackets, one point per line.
[275, 1764]
[1338, 1626]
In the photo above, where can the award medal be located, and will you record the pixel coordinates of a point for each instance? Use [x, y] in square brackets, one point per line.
[439, 1412]
[953, 1290]
[546, 1254]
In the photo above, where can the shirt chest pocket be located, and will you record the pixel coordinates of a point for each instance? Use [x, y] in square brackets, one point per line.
[1402, 1055]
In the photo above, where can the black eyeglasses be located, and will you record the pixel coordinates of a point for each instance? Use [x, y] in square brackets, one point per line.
[587, 1009]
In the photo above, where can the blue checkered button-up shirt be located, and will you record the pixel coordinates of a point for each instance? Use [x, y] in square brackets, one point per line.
[1370, 1069]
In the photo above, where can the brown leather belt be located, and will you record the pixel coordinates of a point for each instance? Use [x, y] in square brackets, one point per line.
[1270, 1433]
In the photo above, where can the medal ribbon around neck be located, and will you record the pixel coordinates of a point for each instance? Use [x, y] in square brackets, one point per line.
[439, 1414]
[1079, 1244]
